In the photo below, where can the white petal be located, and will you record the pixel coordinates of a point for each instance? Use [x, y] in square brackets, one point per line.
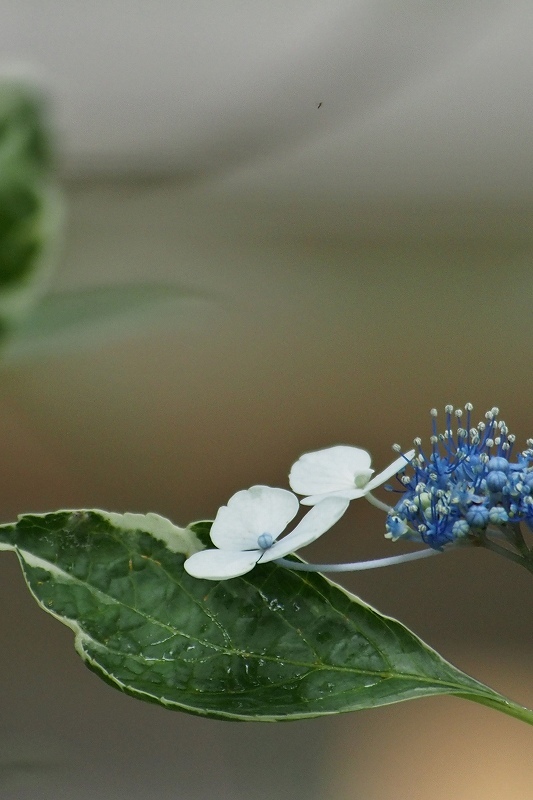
[251, 512]
[217, 565]
[328, 470]
[391, 470]
[347, 494]
[316, 522]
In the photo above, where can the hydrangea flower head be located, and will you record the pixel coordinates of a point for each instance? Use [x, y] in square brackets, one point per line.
[247, 529]
[339, 471]
[466, 482]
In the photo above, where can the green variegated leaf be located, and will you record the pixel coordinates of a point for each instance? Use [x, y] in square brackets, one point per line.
[30, 223]
[273, 645]
[30, 210]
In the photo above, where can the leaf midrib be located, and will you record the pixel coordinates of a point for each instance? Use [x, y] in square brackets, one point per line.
[220, 650]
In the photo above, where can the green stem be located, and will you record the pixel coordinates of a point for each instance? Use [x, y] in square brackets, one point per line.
[501, 704]
[519, 541]
[524, 558]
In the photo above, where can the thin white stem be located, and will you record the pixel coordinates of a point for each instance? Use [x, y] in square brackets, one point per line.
[356, 566]
[375, 502]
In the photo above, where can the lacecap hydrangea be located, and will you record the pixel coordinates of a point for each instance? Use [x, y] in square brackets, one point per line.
[466, 484]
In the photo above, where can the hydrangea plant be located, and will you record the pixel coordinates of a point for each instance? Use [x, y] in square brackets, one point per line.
[221, 618]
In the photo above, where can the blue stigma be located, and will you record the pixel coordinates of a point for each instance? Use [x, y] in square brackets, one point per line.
[464, 483]
[265, 541]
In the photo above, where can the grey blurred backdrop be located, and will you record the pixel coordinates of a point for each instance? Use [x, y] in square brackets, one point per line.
[348, 186]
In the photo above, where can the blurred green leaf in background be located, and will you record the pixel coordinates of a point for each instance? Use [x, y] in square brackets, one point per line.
[30, 205]
[33, 322]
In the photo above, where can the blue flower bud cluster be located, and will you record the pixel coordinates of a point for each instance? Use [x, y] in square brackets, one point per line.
[466, 484]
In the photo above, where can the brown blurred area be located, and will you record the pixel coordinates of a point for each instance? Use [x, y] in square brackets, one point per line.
[324, 309]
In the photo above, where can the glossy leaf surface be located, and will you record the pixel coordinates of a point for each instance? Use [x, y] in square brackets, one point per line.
[275, 644]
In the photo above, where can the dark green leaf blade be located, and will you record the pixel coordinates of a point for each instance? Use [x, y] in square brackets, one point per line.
[272, 645]
[24, 139]
[30, 208]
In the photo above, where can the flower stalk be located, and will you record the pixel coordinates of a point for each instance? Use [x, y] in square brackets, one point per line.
[357, 566]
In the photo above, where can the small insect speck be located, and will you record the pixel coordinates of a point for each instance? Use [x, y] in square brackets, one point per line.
[319, 105]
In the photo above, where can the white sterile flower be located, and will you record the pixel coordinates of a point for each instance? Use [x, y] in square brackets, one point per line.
[339, 471]
[245, 531]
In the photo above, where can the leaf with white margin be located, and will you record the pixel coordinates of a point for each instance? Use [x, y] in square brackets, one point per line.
[30, 206]
[275, 645]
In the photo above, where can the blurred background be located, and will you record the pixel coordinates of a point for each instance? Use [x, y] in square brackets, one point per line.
[346, 191]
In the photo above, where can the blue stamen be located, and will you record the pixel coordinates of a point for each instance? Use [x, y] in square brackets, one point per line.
[468, 481]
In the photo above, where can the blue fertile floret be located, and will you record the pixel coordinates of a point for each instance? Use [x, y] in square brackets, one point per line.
[466, 484]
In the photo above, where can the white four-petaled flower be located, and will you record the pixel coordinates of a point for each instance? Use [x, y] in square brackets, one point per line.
[340, 471]
[246, 531]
